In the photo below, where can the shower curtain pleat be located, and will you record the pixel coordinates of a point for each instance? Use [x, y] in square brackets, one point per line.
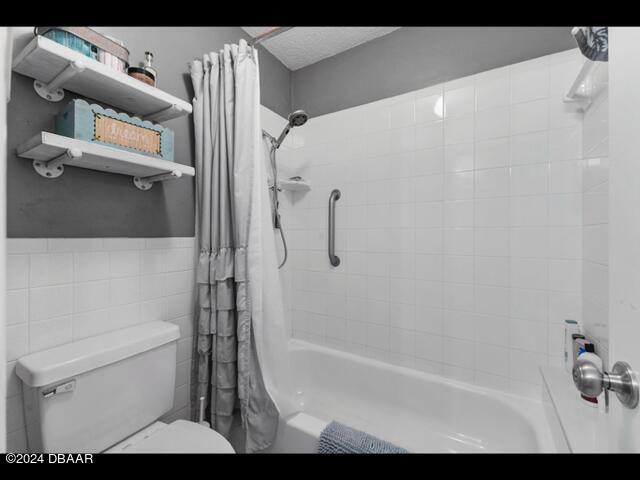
[226, 371]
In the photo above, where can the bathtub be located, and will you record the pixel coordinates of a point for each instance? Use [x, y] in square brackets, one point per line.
[418, 411]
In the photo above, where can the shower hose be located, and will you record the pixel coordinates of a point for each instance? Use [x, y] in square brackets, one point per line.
[284, 245]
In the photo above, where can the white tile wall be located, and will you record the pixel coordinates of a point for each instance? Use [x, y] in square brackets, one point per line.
[63, 290]
[595, 207]
[459, 226]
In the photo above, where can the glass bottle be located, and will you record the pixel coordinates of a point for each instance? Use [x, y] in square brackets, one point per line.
[148, 56]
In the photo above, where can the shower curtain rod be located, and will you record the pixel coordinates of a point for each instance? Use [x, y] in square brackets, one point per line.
[267, 35]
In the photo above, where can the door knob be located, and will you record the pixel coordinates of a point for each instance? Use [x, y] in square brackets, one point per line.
[622, 380]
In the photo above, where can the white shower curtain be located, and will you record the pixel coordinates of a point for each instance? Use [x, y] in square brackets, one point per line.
[267, 310]
[237, 331]
[270, 328]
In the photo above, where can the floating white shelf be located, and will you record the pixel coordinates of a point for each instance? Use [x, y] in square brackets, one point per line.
[51, 152]
[54, 66]
[591, 80]
[294, 185]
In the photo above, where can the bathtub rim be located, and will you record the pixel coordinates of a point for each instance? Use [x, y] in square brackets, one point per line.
[531, 409]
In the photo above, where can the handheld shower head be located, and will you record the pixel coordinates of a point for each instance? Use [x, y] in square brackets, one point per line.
[296, 119]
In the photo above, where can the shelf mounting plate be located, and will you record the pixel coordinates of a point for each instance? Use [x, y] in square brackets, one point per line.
[55, 167]
[51, 95]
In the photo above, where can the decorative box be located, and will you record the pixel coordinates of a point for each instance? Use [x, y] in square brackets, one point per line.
[90, 43]
[92, 123]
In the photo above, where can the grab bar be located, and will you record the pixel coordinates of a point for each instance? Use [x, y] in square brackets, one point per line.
[333, 258]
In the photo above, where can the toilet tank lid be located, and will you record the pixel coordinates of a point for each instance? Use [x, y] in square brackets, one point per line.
[59, 363]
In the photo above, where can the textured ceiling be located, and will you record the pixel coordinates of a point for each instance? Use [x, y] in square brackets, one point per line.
[302, 46]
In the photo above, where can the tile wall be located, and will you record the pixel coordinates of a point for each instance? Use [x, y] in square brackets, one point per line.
[61, 290]
[459, 226]
[595, 207]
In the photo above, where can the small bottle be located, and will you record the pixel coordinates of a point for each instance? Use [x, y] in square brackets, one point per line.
[148, 58]
[570, 327]
[575, 337]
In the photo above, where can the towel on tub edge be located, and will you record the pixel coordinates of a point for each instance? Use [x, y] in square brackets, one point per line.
[338, 438]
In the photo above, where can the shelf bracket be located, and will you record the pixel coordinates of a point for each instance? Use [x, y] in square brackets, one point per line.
[582, 101]
[53, 91]
[572, 96]
[55, 167]
[164, 114]
[145, 183]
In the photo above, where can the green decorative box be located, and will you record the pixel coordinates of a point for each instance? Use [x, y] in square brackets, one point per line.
[92, 123]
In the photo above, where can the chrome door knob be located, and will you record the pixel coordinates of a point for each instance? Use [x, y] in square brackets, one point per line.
[588, 379]
[622, 380]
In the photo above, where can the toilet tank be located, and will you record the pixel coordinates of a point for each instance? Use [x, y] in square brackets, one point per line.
[88, 395]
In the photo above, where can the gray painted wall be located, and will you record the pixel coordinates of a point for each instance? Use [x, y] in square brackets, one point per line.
[83, 203]
[416, 57]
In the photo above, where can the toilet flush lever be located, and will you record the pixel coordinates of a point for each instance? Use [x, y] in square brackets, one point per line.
[622, 380]
[62, 388]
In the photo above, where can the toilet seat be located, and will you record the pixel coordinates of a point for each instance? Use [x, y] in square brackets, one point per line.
[180, 436]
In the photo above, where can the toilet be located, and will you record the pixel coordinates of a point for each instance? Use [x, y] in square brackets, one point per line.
[106, 393]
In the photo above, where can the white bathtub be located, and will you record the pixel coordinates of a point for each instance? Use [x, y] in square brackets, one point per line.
[418, 411]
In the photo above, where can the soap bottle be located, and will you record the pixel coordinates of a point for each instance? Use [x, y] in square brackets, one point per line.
[577, 341]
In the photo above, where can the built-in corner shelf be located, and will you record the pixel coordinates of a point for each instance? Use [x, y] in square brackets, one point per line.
[50, 153]
[592, 79]
[54, 67]
[294, 185]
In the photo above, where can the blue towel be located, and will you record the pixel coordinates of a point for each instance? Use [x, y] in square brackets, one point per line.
[338, 438]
